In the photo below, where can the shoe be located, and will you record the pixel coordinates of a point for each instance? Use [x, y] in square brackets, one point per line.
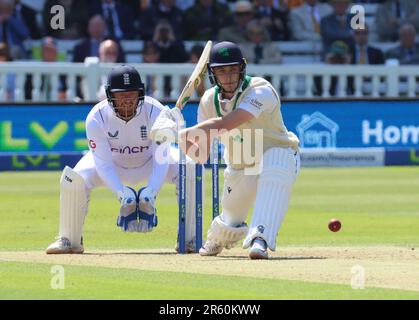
[63, 246]
[210, 249]
[259, 249]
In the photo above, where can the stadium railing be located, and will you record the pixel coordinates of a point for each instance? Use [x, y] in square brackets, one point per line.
[293, 81]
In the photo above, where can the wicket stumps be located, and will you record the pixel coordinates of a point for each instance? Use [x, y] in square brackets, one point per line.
[214, 159]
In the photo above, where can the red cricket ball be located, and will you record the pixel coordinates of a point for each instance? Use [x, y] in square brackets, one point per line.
[334, 225]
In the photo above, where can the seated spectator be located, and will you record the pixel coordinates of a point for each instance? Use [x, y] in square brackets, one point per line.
[408, 50]
[392, 14]
[258, 49]
[274, 20]
[305, 20]
[28, 15]
[9, 91]
[362, 52]
[337, 26]
[150, 54]
[161, 10]
[76, 17]
[13, 31]
[294, 3]
[339, 53]
[49, 52]
[118, 17]
[108, 53]
[89, 47]
[243, 14]
[170, 50]
[204, 20]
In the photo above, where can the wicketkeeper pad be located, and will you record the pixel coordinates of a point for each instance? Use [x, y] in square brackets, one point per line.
[73, 205]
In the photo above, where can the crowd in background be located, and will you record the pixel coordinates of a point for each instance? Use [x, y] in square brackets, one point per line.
[164, 25]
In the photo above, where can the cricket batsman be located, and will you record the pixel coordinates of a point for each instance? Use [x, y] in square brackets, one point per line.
[239, 102]
[120, 156]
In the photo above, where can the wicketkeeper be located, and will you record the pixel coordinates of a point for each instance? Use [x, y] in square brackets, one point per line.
[120, 156]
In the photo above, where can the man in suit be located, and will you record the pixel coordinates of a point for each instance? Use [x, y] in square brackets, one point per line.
[118, 18]
[362, 53]
[89, 47]
[13, 31]
[408, 51]
[392, 14]
[337, 26]
[305, 20]
[274, 20]
[28, 16]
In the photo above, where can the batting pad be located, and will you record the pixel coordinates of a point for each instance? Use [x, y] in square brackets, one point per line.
[73, 205]
[273, 195]
[224, 234]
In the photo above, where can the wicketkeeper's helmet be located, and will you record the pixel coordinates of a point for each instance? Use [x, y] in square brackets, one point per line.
[124, 78]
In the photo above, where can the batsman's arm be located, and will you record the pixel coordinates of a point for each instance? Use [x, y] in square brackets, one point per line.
[188, 137]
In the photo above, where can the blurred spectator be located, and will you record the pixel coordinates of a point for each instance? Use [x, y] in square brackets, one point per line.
[108, 53]
[204, 20]
[274, 20]
[161, 10]
[13, 31]
[339, 53]
[150, 54]
[118, 17]
[294, 3]
[9, 91]
[28, 15]
[363, 53]
[408, 51]
[194, 55]
[49, 51]
[76, 17]
[184, 4]
[392, 14]
[305, 20]
[337, 26]
[171, 50]
[258, 49]
[243, 14]
[89, 47]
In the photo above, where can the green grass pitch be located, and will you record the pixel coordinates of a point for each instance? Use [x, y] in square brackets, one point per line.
[378, 207]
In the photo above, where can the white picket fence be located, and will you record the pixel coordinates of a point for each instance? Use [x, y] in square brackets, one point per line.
[296, 80]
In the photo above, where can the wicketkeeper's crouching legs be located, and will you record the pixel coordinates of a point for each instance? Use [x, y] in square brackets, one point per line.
[74, 199]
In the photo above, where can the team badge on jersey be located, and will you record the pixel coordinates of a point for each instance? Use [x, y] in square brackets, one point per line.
[144, 134]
